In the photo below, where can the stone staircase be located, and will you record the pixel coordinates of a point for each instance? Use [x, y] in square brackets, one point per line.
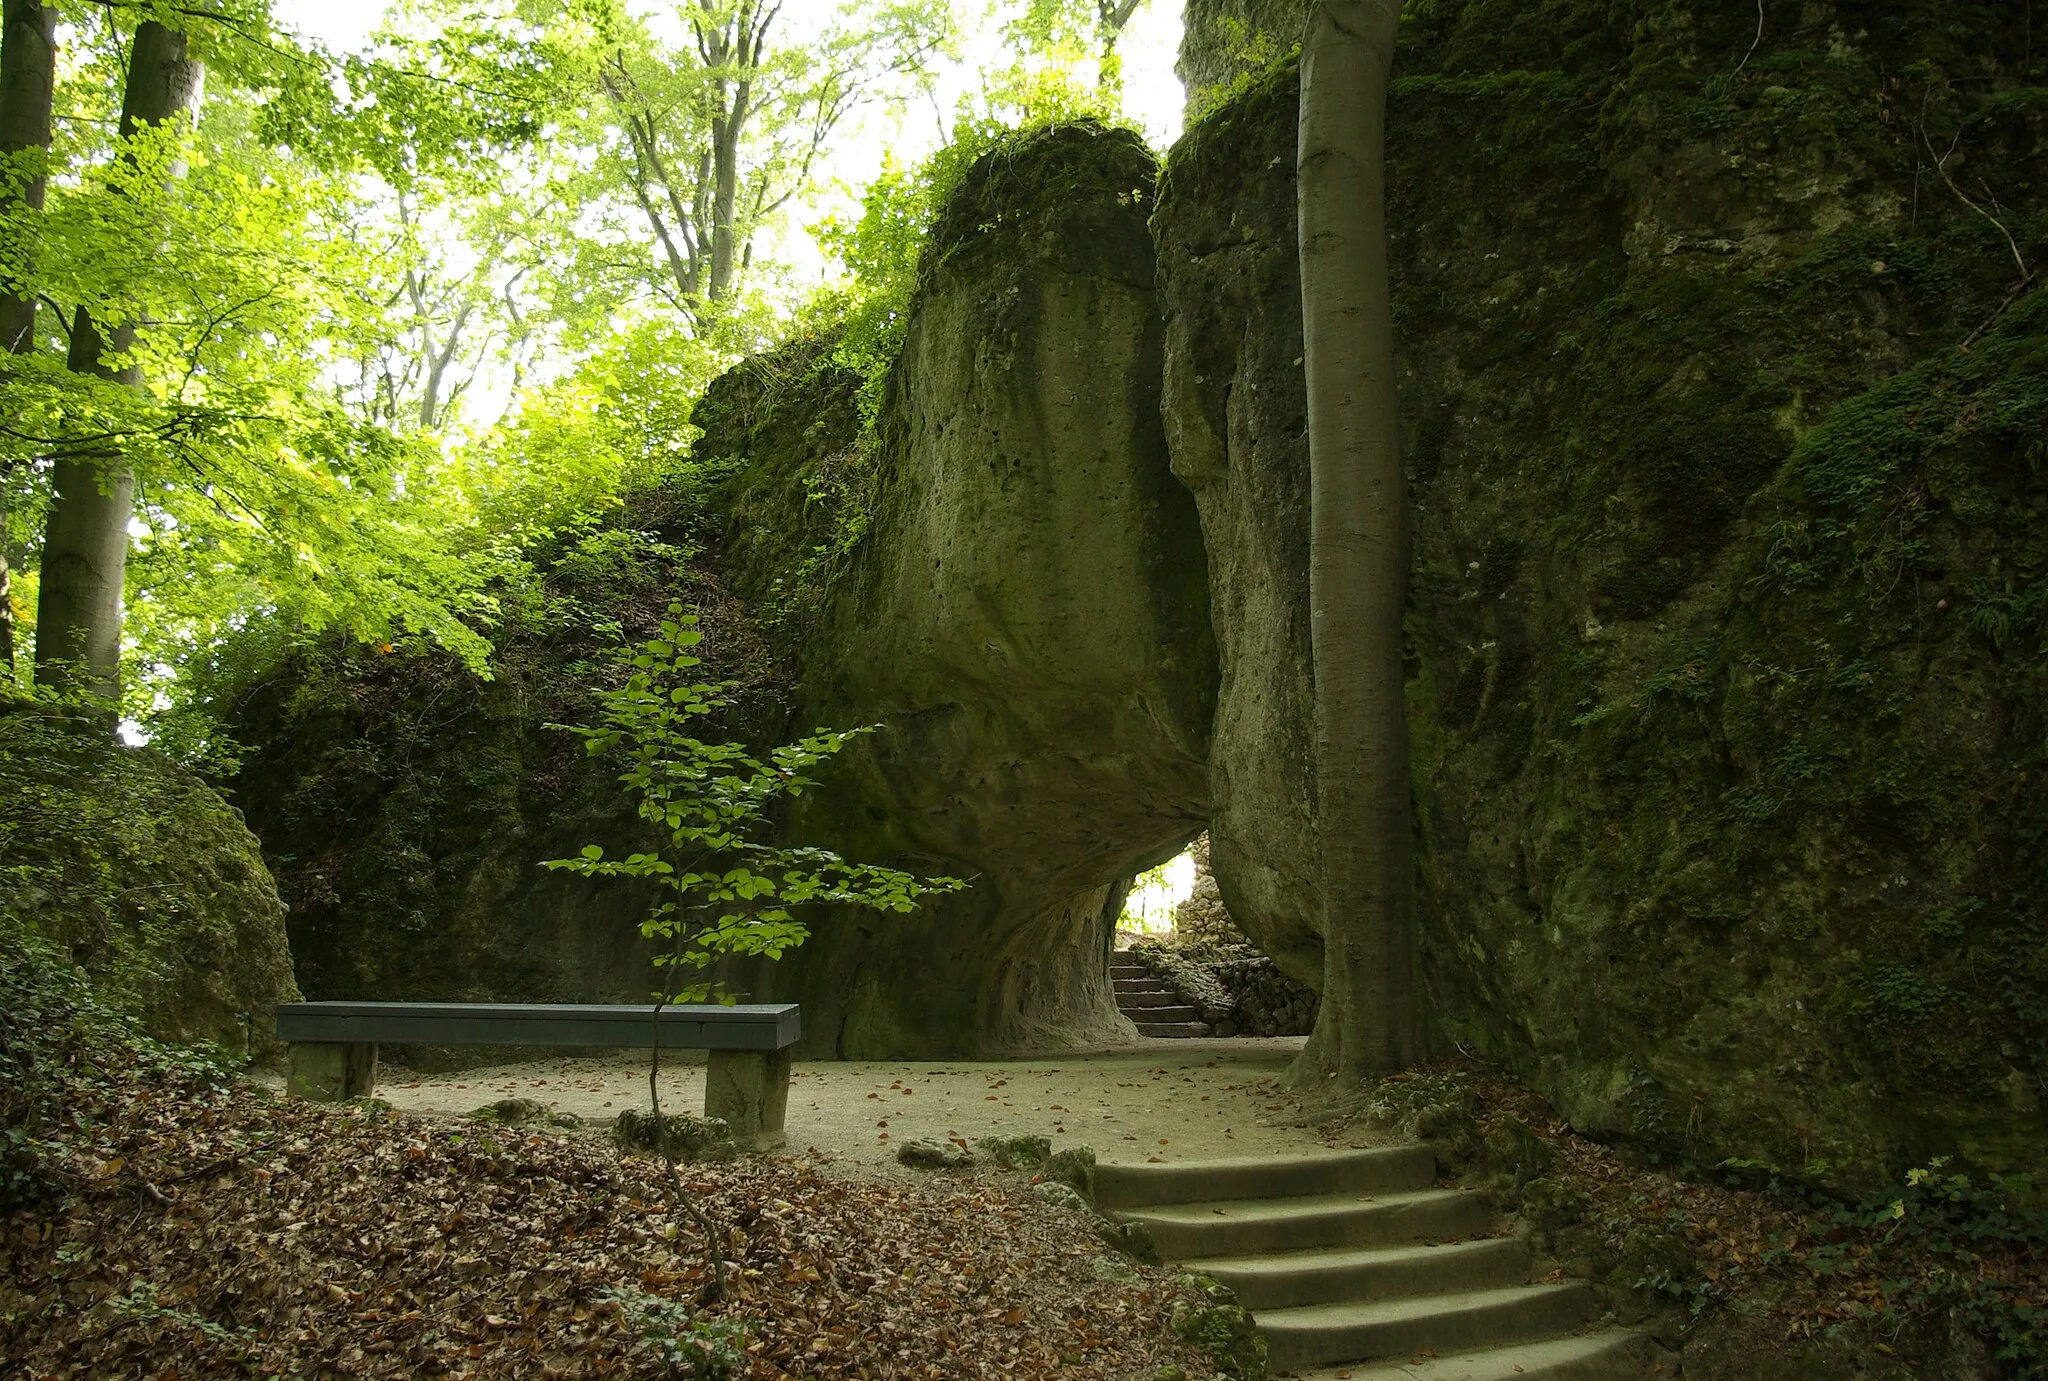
[1154, 1008]
[1353, 1259]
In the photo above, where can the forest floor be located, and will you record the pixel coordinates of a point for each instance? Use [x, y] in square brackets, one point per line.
[213, 1229]
[202, 1226]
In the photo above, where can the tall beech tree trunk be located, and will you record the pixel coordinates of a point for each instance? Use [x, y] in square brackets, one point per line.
[731, 44]
[28, 79]
[1371, 1022]
[85, 546]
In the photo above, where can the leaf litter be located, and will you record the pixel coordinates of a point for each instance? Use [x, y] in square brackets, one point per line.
[214, 1230]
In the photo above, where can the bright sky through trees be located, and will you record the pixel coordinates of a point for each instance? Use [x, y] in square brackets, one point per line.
[420, 321]
[1152, 98]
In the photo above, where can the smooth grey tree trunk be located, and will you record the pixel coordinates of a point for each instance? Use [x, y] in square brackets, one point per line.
[28, 76]
[28, 79]
[85, 546]
[1371, 1020]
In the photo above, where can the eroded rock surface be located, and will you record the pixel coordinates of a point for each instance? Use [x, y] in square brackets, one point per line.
[1027, 623]
[1727, 799]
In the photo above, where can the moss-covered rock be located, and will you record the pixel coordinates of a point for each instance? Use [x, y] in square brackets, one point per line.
[1724, 414]
[406, 805]
[139, 874]
[1209, 1316]
[1002, 577]
[1017, 1152]
[685, 1136]
[1225, 43]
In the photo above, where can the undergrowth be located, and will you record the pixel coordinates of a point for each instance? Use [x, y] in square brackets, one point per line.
[65, 1055]
[1744, 1247]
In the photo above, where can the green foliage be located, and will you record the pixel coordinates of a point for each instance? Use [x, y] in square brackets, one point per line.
[255, 489]
[730, 889]
[144, 1304]
[344, 245]
[687, 1346]
[1948, 1224]
[1258, 58]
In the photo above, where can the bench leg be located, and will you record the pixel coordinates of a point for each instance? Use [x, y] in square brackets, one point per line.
[323, 1073]
[750, 1090]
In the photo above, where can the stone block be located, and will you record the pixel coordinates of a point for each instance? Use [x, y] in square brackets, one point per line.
[749, 1090]
[324, 1073]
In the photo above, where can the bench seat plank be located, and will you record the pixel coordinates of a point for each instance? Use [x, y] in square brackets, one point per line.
[758, 1026]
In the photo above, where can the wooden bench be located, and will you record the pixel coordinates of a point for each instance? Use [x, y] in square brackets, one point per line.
[332, 1046]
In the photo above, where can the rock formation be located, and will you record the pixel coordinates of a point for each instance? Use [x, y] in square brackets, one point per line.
[1027, 624]
[1201, 917]
[1725, 419]
[130, 867]
[1728, 759]
[1014, 595]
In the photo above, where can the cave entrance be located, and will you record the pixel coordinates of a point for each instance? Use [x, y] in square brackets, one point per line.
[1181, 968]
[1156, 894]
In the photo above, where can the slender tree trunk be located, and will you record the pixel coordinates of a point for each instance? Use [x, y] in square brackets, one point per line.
[1371, 1022]
[439, 361]
[28, 73]
[28, 76]
[734, 49]
[85, 546]
[725, 171]
[1110, 18]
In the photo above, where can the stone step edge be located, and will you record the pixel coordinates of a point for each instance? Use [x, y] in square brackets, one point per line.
[1615, 1354]
[1291, 1208]
[1505, 1254]
[1242, 1181]
[1158, 1031]
[1385, 1330]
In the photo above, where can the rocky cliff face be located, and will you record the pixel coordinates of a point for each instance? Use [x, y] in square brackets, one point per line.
[1725, 425]
[1026, 623]
[1004, 579]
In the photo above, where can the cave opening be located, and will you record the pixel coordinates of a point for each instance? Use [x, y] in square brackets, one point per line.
[1181, 968]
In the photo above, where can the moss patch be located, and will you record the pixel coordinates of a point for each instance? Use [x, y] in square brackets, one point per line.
[1723, 413]
[130, 868]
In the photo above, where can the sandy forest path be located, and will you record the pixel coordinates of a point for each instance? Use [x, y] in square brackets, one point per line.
[1167, 1099]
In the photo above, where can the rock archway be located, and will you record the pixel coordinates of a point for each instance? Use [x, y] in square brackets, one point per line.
[1027, 626]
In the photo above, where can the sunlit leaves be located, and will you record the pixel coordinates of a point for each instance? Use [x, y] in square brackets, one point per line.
[728, 886]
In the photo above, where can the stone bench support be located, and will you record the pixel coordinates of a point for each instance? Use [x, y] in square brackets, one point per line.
[332, 1046]
[750, 1090]
[323, 1073]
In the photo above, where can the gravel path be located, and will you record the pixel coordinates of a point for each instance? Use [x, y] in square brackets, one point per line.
[1165, 1099]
